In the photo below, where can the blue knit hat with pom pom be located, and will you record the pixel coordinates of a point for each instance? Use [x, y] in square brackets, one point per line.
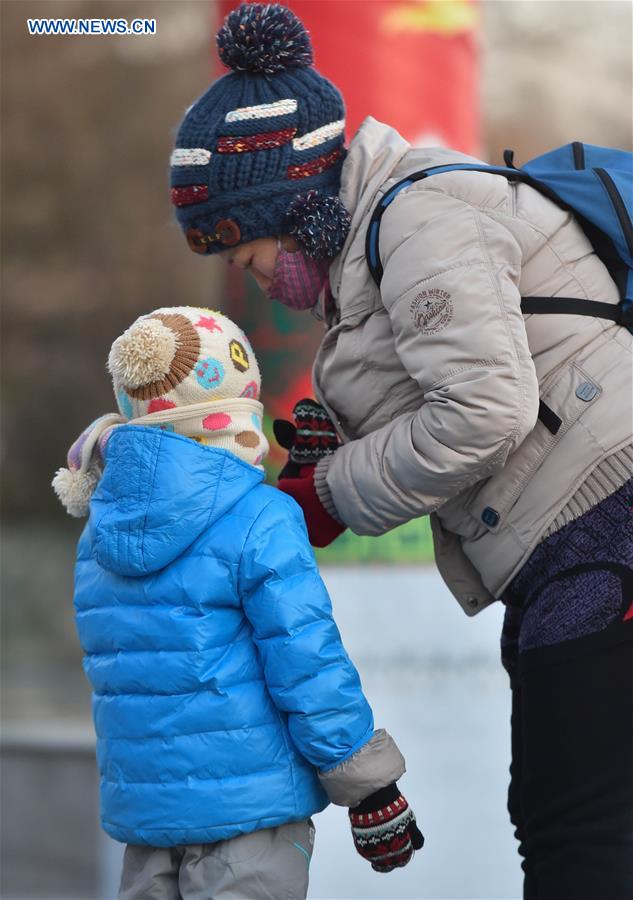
[260, 153]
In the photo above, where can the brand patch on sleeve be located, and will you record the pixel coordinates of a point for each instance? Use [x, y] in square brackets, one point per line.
[432, 310]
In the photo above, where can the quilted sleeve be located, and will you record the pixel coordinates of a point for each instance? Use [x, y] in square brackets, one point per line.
[450, 287]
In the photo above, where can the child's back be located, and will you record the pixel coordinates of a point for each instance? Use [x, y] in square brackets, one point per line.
[188, 567]
[225, 706]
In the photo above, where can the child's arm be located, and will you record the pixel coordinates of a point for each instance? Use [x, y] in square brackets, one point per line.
[308, 672]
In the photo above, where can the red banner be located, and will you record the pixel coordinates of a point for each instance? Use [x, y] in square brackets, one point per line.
[411, 64]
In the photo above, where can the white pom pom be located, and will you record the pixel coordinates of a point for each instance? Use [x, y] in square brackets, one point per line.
[75, 489]
[142, 354]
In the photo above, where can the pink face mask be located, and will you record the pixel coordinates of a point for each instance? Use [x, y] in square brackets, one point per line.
[298, 279]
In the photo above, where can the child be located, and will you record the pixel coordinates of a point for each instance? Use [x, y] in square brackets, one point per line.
[226, 708]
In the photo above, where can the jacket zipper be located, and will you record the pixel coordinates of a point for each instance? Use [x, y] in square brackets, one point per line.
[619, 207]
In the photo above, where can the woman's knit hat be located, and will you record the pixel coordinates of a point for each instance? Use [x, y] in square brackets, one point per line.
[260, 153]
[182, 369]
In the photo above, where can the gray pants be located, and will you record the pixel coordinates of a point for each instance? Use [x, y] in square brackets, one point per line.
[264, 865]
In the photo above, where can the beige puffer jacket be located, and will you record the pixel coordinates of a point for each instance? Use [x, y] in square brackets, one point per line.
[435, 379]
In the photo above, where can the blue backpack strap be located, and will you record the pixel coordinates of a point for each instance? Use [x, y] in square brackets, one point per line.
[621, 313]
[372, 253]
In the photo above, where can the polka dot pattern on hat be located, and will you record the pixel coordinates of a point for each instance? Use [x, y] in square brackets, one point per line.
[209, 358]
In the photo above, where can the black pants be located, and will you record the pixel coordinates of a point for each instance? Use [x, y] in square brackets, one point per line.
[571, 790]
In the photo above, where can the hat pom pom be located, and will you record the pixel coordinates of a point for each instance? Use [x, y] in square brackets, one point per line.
[142, 354]
[319, 223]
[263, 37]
[75, 489]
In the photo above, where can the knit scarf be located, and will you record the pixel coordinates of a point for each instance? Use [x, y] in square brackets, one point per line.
[234, 425]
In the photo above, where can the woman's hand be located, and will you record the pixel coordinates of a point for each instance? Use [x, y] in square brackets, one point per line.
[311, 438]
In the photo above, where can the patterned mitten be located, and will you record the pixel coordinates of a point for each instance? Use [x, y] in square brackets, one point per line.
[311, 438]
[384, 829]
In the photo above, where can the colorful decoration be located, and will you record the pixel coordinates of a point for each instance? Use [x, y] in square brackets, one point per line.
[250, 390]
[125, 404]
[239, 356]
[190, 156]
[268, 140]
[210, 373]
[262, 111]
[209, 323]
[247, 439]
[314, 166]
[191, 193]
[216, 421]
[438, 17]
[159, 404]
[319, 135]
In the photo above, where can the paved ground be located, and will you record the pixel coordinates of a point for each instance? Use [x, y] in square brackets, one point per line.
[433, 677]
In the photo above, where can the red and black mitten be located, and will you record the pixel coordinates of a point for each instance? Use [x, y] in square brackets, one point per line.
[384, 829]
[311, 438]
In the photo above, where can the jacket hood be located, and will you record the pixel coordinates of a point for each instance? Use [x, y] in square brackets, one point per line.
[158, 493]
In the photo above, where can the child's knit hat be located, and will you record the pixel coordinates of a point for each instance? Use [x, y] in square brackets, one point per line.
[260, 153]
[181, 369]
[179, 356]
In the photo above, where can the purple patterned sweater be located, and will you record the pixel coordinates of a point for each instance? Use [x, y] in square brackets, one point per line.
[576, 582]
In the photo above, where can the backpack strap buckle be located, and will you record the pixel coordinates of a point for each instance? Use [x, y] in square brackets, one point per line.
[625, 314]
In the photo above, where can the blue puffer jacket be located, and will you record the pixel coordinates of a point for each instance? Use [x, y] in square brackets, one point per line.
[220, 681]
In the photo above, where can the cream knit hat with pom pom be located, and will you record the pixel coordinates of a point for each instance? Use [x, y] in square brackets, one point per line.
[178, 356]
[182, 369]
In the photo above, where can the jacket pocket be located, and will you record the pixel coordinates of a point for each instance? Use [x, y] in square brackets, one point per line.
[568, 396]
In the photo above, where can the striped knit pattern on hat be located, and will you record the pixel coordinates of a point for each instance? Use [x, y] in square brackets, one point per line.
[257, 140]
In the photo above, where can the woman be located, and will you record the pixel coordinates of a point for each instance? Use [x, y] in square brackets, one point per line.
[435, 381]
